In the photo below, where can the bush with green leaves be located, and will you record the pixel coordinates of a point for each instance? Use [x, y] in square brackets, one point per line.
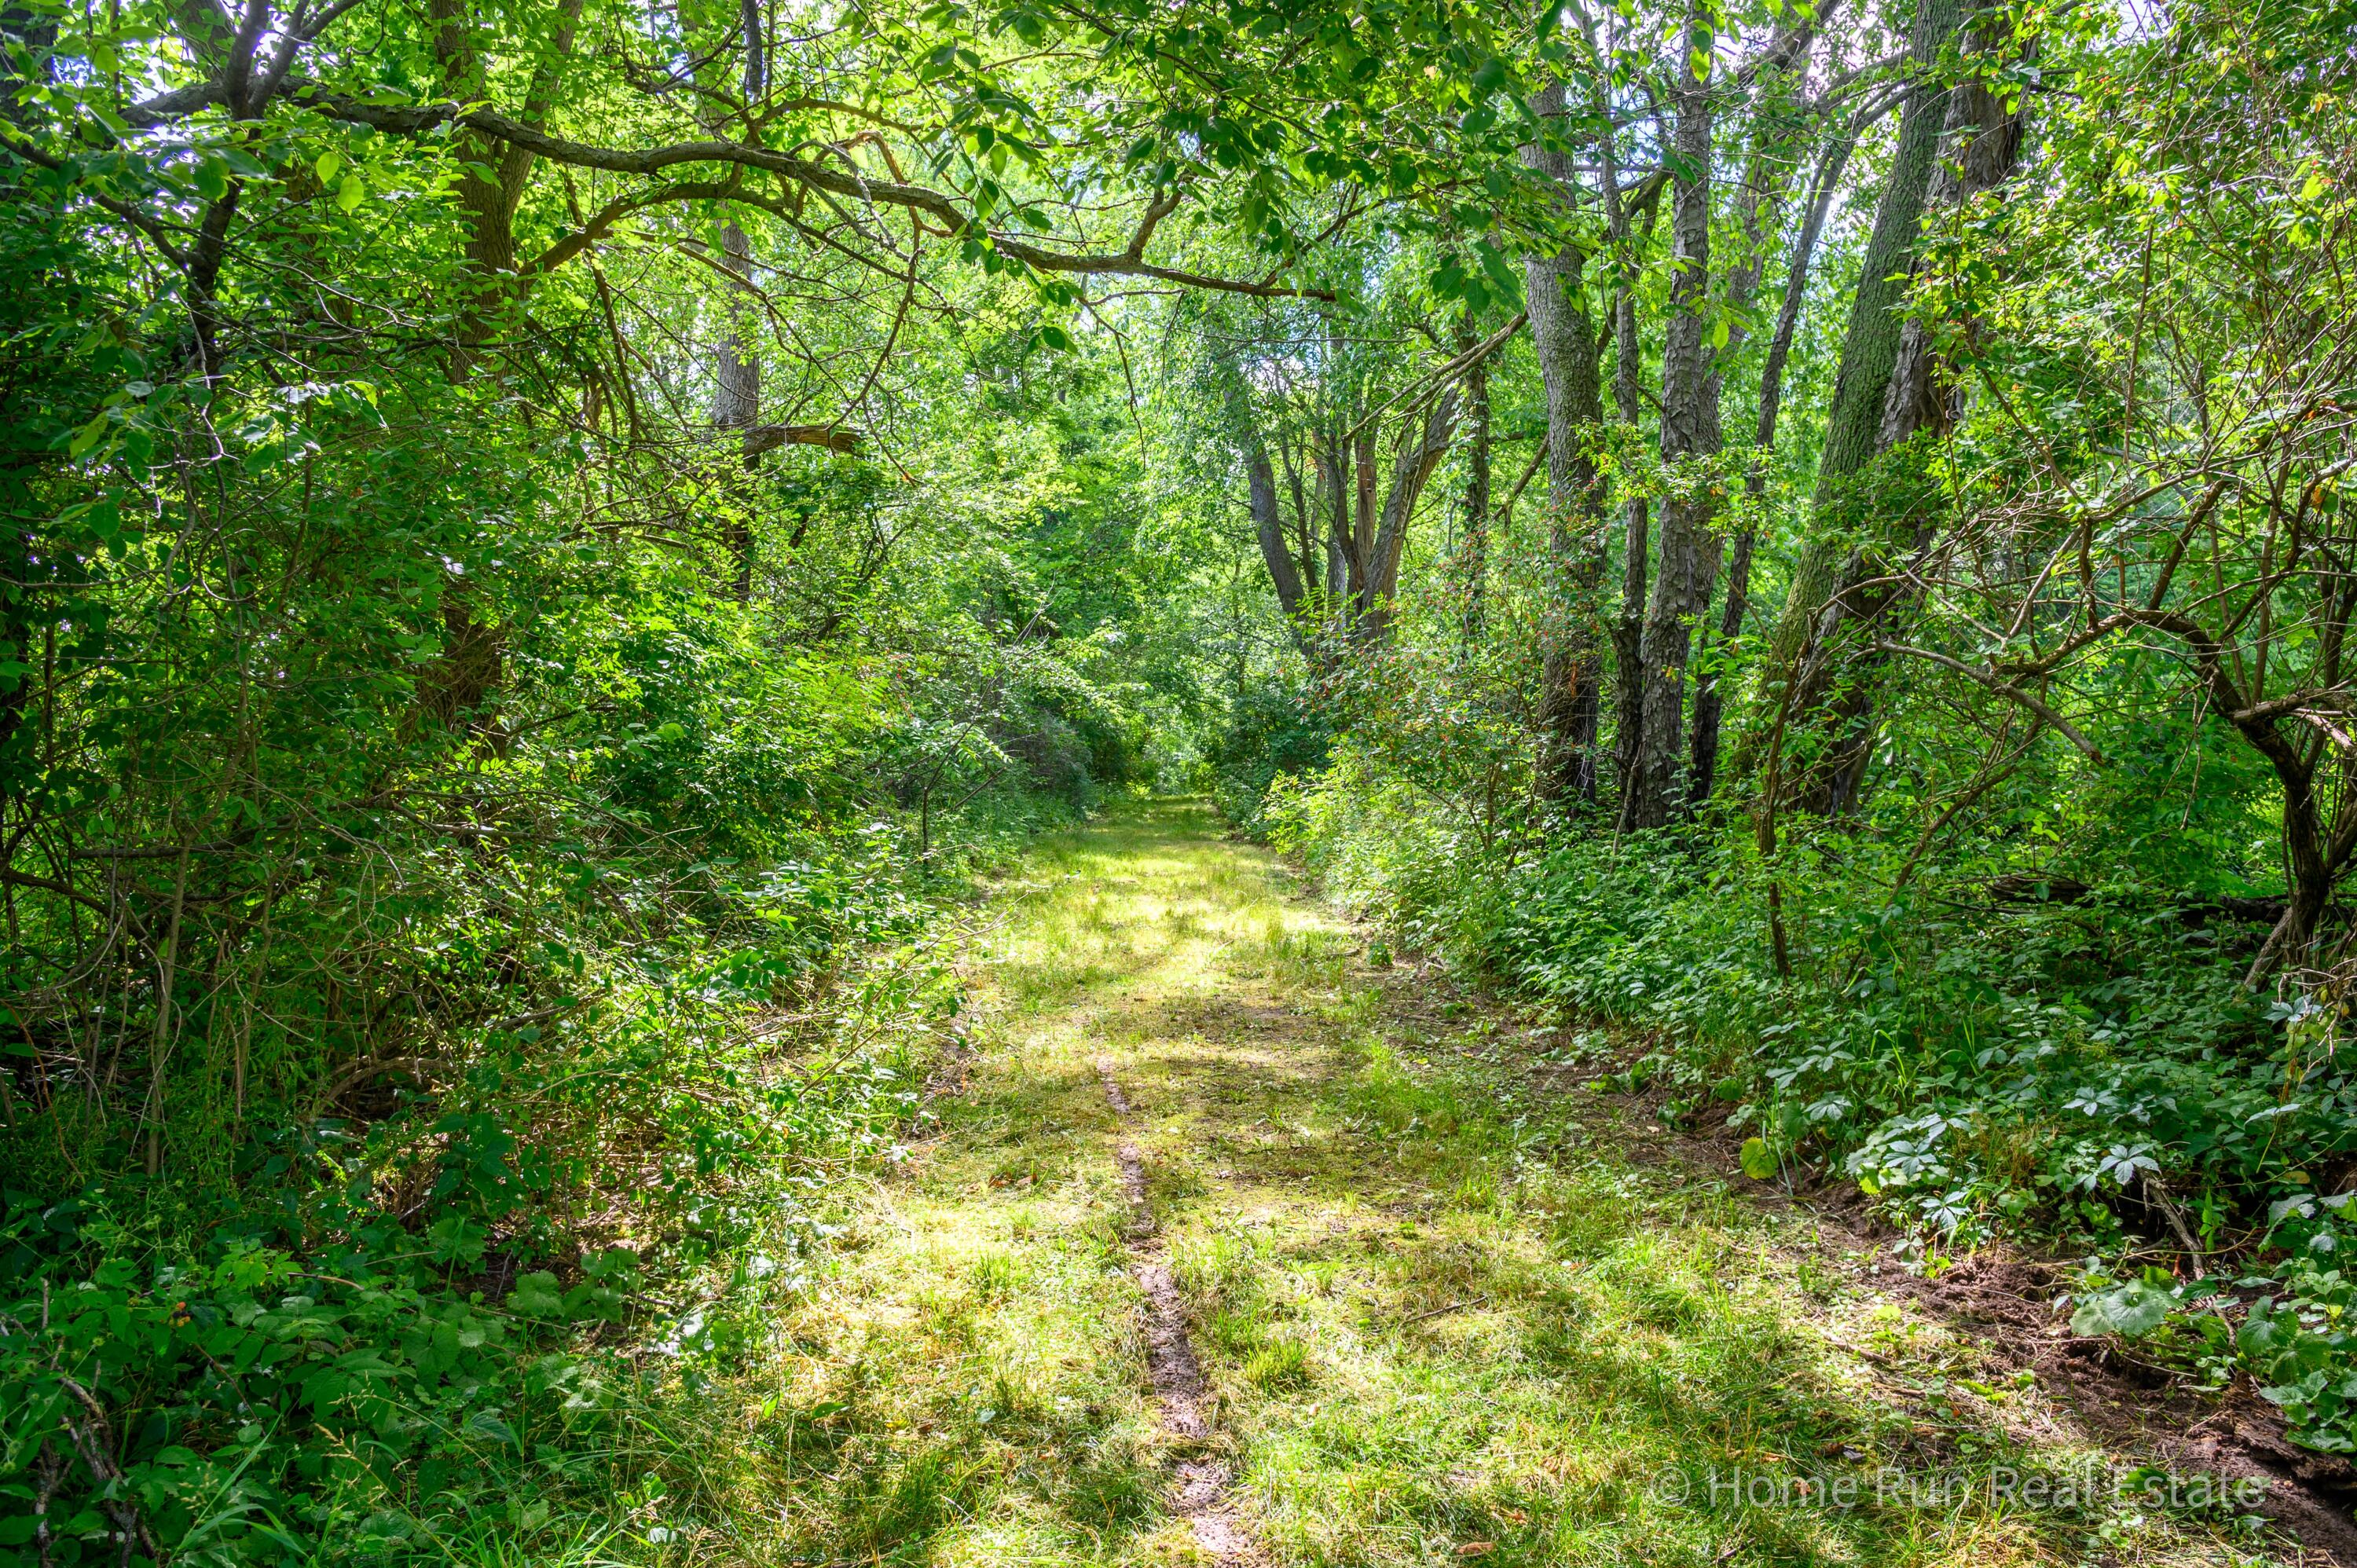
[472, 1312]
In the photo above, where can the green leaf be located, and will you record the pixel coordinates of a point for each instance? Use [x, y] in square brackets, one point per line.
[1759, 1162]
[536, 1296]
[326, 166]
[350, 192]
[484, 1424]
[2131, 1311]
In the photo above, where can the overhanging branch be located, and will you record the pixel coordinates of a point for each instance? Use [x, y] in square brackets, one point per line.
[811, 174]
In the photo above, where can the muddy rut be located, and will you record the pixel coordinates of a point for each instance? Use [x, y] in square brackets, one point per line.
[1200, 1484]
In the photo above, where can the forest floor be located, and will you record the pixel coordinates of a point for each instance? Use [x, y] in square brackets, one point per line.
[1222, 1244]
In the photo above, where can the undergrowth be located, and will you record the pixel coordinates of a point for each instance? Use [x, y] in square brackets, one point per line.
[480, 1321]
[2089, 1073]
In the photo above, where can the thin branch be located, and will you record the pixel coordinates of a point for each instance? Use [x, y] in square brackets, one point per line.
[2005, 689]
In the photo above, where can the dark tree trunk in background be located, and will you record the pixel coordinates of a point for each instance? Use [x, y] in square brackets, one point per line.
[1689, 554]
[1568, 350]
[1475, 551]
[1269, 526]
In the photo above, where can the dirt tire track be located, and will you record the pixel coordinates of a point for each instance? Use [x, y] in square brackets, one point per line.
[1199, 1494]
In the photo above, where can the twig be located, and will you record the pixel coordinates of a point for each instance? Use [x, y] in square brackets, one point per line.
[2159, 1196]
[96, 1446]
[1452, 1306]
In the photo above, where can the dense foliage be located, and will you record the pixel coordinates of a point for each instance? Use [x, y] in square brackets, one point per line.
[545, 546]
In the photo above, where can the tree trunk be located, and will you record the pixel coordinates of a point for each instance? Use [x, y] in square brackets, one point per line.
[1775, 128]
[1422, 447]
[1268, 524]
[1627, 370]
[1979, 145]
[1569, 349]
[737, 390]
[736, 360]
[492, 174]
[1332, 491]
[1772, 381]
[1474, 555]
[1305, 534]
[1869, 353]
[1690, 436]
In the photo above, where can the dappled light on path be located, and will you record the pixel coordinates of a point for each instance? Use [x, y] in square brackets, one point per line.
[1226, 1253]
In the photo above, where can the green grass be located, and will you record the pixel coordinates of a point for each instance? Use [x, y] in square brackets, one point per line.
[1433, 1333]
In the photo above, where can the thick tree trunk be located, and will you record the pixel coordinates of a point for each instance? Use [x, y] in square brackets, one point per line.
[492, 174]
[1268, 526]
[1690, 434]
[1840, 686]
[1568, 350]
[1869, 353]
[1771, 384]
[1627, 370]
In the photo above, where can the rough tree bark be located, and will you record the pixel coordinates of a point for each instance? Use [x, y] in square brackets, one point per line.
[737, 390]
[1568, 350]
[1269, 526]
[1840, 682]
[1628, 632]
[1869, 352]
[1690, 436]
[490, 203]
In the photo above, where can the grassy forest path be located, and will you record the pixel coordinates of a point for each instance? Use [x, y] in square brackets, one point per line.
[1227, 1248]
